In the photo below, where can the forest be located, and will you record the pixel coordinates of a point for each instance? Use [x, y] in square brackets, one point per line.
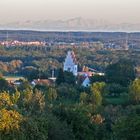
[107, 110]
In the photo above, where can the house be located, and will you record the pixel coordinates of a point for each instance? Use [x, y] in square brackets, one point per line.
[83, 73]
[13, 79]
[86, 82]
[42, 82]
[70, 63]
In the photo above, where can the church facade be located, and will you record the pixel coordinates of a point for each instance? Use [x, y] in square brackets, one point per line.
[70, 63]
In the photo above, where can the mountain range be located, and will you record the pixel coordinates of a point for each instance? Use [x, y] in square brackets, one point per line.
[73, 24]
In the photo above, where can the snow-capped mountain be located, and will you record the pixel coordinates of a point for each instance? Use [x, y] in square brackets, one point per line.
[73, 24]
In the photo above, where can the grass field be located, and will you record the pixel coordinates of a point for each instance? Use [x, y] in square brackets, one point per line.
[116, 100]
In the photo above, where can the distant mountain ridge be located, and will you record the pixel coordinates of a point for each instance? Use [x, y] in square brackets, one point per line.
[73, 24]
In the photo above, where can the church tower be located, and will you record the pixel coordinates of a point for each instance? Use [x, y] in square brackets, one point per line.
[70, 63]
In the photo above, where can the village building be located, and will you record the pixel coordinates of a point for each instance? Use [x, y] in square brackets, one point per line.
[14, 80]
[42, 82]
[86, 82]
[70, 63]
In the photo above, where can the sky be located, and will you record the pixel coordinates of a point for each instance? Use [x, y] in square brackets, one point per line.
[115, 11]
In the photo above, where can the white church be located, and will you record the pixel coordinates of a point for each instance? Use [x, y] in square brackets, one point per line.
[70, 63]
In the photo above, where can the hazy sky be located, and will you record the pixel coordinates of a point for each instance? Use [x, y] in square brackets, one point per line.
[110, 10]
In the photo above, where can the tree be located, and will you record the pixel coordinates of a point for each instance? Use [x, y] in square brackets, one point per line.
[69, 77]
[83, 97]
[115, 90]
[38, 101]
[15, 97]
[98, 78]
[32, 124]
[59, 130]
[60, 77]
[134, 91]
[121, 72]
[78, 120]
[35, 128]
[5, 100]
[97, 91]
[52, 94]
[25, 86]
[30, 73]
[127, 128]
[9, 120]
[3, 84]
[67, 91]
[65, 77]
[32, 103]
